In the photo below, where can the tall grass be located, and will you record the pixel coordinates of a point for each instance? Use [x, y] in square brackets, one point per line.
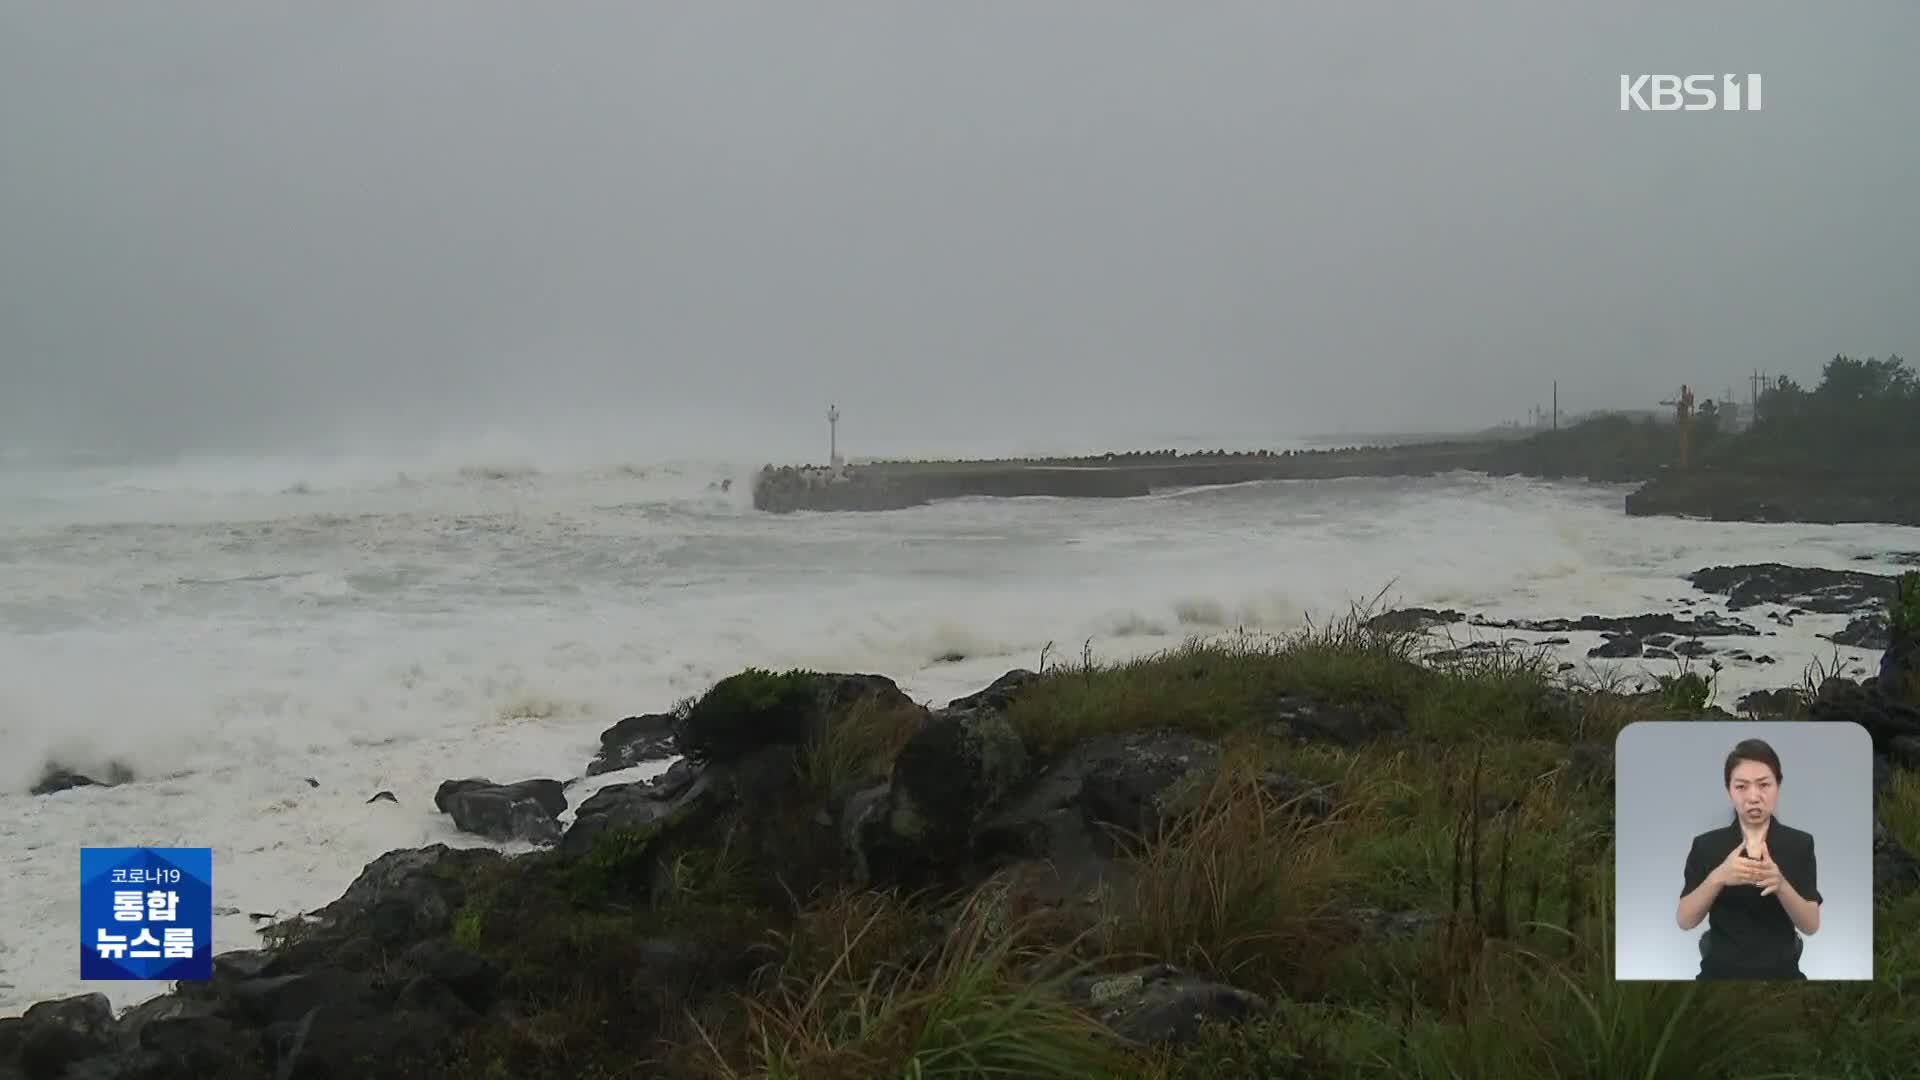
[858, 748]
[1237, 887]
[1212, 686]
[971, 1008]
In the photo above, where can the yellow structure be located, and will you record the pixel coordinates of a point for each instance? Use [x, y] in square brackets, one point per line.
[1683, 417]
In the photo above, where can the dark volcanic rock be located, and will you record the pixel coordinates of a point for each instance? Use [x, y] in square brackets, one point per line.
[334, 1040]
[1894, 868]
[1309, 800]
[1413, 620]
[1638, 627]
[52, 1035]
[1134, 788]
[450, 788]
[1898, 558]
[746, 712]
[633, 741]
[951, 773]
[1394, 924]
[527, 810]
[190, 1045]
[1904, 751]
[1616, 648]
[58, 777]
[999, 695]
[415, 891]
[1829, 592]
[1885, 718]
[1786, 703]
[1472, 649]
[1118, 780]
[467, 975]
[1076, 814]
[681, 793]
[1306, 720]
[1770, 494]
[1864, 632]
[1162, 1004]
[286, 998]
[841, 692]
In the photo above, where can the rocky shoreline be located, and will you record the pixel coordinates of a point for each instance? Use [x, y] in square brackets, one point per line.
[1835, 497]
[440, 961]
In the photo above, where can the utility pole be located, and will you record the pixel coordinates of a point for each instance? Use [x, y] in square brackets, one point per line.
[833, 436]
[1556, 404]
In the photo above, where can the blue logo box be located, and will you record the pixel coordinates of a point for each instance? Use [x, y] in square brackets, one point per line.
[146, 913]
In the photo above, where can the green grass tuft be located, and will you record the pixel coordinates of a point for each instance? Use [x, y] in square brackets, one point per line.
[1903, 611]
[748, 710]
[968, 1009]
[1237, 887]
[858, 748]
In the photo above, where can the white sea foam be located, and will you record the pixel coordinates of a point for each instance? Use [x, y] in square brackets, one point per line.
[229, 640]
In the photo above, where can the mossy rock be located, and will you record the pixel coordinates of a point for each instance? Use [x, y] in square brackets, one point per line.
[951, 773]
[748, 710]
[756, 708]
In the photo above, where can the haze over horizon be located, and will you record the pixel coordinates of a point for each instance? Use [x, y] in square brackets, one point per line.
[264, 229]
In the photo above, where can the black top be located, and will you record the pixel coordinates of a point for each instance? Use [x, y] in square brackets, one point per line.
[1749, 935]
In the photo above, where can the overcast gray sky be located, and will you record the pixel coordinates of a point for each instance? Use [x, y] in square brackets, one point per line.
[254, 226]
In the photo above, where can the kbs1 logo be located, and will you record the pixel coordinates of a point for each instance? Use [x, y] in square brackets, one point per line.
[146, 913]
[1689, 93]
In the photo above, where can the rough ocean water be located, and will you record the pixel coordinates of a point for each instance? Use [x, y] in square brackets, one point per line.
[231, 634]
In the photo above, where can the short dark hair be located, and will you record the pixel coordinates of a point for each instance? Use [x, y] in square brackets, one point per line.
[1752, 750]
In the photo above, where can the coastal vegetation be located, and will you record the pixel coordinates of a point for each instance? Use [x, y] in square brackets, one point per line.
[1863, 414]
[1442, 910]
[1326, 854]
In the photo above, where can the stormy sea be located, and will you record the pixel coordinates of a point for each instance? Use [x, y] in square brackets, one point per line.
[261, 648]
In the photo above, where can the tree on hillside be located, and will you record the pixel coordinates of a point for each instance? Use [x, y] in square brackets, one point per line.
[1861, 410]
[1846, 380]
[1707, 421]
[1783, 400]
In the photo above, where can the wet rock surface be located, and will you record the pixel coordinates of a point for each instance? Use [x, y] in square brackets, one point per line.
[1162, 1004]
[528, 810]
[57, 777]
[635, 740]
[1828, 592]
